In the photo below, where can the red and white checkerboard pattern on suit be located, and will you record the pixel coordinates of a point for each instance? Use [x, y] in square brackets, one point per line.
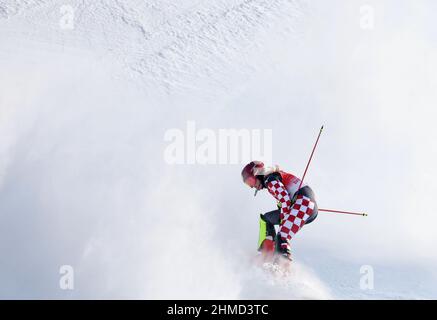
[293, 217]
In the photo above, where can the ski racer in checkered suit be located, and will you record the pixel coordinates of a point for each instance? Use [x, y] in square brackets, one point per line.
[296, 207]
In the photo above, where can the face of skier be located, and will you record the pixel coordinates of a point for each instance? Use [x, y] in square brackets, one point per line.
[253, 183]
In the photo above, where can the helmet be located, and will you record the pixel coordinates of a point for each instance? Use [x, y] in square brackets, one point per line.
[250, 171]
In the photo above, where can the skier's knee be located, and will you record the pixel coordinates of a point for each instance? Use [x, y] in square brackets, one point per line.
[313, 215]
[272, 217]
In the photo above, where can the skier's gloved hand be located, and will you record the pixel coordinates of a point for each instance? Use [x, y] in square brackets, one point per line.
[282, 246]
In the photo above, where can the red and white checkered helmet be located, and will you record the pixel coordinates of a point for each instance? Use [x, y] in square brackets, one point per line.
[250, 171]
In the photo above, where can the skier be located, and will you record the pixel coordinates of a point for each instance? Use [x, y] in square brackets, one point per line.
[296, 207]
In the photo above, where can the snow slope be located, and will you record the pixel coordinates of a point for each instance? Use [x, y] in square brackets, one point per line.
[83, 113]
[190, 44]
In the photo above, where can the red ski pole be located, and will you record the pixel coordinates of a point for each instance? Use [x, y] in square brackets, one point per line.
[344, 212]
[309, 161]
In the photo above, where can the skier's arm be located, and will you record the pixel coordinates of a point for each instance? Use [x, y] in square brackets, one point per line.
[277, 189]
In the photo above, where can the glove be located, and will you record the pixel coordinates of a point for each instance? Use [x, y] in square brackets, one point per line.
[282, 247]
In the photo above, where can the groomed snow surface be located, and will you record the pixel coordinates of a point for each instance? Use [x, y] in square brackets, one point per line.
[89, 88]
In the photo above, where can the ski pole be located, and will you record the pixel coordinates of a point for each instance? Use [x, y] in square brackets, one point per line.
[309, 161]
[305, 172]
[344, 212]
